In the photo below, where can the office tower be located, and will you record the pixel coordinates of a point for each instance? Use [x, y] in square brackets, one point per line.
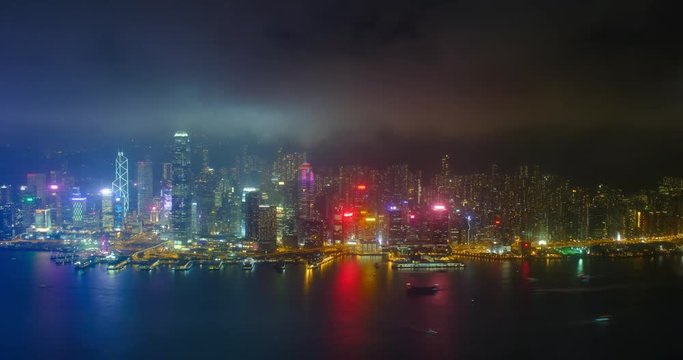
[306, 192]
[251, 214]
[397, 227]
[42, 219]
[78, 209]
[107, 209]
[6, 213]
[267, 228]
[166, 200]
[120, 185]
[37, 186]
[206, 189]
[145, 182]
[181, 181]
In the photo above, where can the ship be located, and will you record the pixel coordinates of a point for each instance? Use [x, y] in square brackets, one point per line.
[83, 264]
[426, 265]
[279, 267]
[248, 264]
[183, 265]
[119, 264]
[318, 262]
[421, 290]
[216, 265]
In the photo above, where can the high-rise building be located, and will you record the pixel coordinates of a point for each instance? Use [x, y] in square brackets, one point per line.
[145, 187]
[43, 219]
[107, 209]
[6, 213]
[251, 215]
[37, 186]
[267, 228]
[182, 196]
[306, 192]
[78, 209]
[120, 184]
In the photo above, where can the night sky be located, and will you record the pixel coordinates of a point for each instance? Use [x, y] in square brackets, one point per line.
[589, 89]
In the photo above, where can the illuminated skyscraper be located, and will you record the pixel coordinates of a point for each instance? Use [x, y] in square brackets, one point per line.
[306, 192]
[107, 209]
[120, 185]
[78, 208]
[182, 202]
[267, 228]
[145, 186]
[6, 213]
[251, 213]
[37, 186]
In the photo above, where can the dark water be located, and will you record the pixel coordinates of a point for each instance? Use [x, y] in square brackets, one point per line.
[346, 310]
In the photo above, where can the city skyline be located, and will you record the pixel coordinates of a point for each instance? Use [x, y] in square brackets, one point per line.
[347, 79]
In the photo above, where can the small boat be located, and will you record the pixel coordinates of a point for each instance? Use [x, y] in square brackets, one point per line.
[421, 290]
[80, 265]
[279, 267]
[248, 265]
[432, 332]
[215, 266]
[603, 319]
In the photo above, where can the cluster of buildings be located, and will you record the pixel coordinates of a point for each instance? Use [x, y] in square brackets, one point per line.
[289, 203]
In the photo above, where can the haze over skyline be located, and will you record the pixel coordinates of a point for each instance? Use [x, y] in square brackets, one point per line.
[586, 89]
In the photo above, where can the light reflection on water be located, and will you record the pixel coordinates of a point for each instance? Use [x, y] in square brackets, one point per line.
[346, 309]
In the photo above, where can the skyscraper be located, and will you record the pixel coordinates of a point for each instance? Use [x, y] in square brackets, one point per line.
[145, 189]
[6, 213]
[306, 192]
[37, 186]
[251, 215]
[267, 228]
[182, 197]
[120, 185]
[107, 210]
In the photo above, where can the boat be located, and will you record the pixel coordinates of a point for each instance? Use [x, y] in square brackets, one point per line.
[183, 265]
[432, 332]
[248, 264]
[216, 265]
[279, 267]
[118, 264]
[421, 290]
[318, 262]
[82, 264]
[426, 265]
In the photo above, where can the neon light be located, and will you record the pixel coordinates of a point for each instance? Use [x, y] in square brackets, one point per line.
[412, 216]
[361, 187]
[439, 207]
[370, 219]
[54, 187]
[348, 214]
[393, 208]
[105, 192]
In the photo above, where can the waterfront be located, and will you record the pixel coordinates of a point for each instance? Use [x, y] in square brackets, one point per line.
[348, 308]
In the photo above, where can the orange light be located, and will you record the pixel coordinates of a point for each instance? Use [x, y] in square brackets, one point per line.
[361, 187]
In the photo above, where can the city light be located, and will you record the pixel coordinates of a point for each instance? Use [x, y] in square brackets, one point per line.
[361, 187]
[439, 207]
[105, 192]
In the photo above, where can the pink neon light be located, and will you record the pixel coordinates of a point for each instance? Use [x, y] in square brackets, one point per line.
[439, 207]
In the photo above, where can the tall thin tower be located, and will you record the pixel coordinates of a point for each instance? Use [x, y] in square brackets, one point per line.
[181, 178]
[120, 185]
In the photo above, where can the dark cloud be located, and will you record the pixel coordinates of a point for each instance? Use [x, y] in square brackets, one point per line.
[311, 71]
